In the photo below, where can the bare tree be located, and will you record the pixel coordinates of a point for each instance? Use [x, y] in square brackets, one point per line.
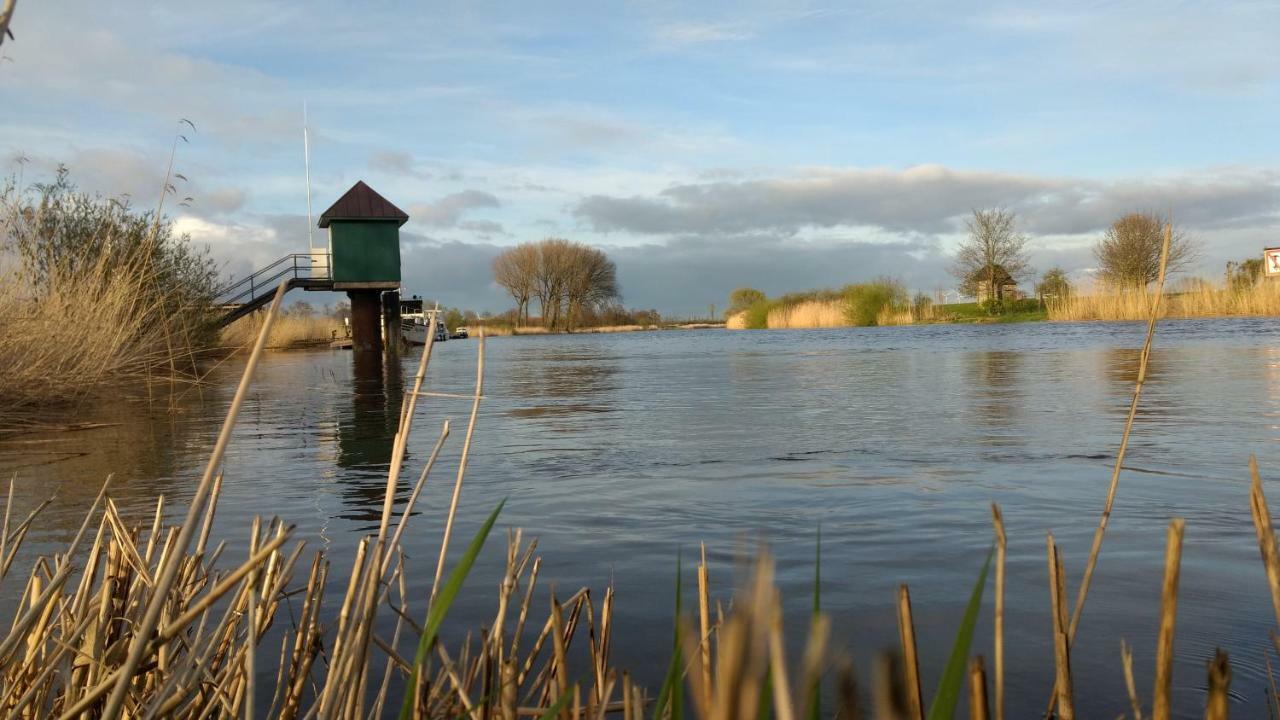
[571, 281]
[516, 269]
[993, 254]
[554, 259]
[591, 282]
[1128, 254]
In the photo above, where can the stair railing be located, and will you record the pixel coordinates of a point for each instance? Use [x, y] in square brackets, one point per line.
[296, 265]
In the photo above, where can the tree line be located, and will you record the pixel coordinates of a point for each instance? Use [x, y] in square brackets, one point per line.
[571, 282]
[993, 256]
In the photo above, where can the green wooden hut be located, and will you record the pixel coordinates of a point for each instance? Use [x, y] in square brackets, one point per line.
[364, 240]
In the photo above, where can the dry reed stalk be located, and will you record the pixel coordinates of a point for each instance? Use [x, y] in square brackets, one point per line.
[1061, 645]
[1266, 535]
[1143, 358]
[401, 439]
[1096, 548]
[977, 689]
[910, 659]
[1219, 686]
[1160, 697]
[462, 463]
[1126, 659]
[704, 623]
[6, 17]
[889, 694]
[997, 521]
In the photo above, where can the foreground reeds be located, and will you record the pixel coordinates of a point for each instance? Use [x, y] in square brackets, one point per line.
[145, 619]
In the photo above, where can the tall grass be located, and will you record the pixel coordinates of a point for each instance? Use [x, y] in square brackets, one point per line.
[288, 331]
[92, 293]
[808, 314]
[81, 329]
[1198, 300]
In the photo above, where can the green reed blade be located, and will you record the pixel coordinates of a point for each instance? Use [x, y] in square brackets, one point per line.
[672, 695]
[440, 608]
[815, 689]
[553, 712]
[953, 677]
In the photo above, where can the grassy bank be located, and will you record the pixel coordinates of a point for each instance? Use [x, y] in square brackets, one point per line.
[145, 616]
[1028, 310]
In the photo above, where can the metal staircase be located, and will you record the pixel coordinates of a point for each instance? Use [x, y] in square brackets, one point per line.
[299, 270]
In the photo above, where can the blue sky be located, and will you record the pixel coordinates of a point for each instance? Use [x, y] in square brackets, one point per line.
[705, 146]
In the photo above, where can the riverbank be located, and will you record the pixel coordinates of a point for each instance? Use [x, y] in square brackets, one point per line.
[1199, 301]
[301, 332]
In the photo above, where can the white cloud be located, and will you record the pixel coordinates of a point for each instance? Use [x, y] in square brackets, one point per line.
[692, 33]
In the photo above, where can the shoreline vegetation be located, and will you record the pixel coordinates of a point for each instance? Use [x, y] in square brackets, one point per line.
[836, 309]
[93, 293]
[142, 615]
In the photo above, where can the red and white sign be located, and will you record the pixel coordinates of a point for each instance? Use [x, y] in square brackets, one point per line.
[1271, 261]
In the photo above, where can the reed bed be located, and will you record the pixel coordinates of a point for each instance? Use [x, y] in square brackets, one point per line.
[810, 314]
[1261, 299]
[92, 293]
[290, 330]
[509, 330]
[83, 328]
[146, 619]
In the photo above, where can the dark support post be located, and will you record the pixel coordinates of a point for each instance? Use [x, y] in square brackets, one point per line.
[391, 320]
[366, 321]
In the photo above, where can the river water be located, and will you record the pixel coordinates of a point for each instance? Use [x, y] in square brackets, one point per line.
[620, 451]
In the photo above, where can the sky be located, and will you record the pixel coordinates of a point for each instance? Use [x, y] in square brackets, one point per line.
[705, 146]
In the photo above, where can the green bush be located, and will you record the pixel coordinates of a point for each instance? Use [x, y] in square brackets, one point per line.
[756, 316]
[864, 301]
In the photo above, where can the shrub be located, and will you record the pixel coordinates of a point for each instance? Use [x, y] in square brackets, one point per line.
[865, 301]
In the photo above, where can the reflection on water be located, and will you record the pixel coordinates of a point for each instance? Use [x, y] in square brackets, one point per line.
[558, 384]
[366, 434]
[618, 450]
[996, 382]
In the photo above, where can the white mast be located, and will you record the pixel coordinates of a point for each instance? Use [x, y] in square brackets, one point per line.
[306, 154]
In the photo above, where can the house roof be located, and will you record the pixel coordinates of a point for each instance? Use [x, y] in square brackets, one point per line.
[362, 203]
[1002, 276]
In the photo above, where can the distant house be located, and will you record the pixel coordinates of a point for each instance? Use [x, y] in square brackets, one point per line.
[1006, 286]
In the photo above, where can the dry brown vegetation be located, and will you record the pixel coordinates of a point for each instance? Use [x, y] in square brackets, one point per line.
[1200, 300]
[92, 293]
[81, 330]
[810, 314]
[288, 331]
[509, 330]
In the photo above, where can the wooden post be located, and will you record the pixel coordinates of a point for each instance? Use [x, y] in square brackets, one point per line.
[391, 334]
[366, 321]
